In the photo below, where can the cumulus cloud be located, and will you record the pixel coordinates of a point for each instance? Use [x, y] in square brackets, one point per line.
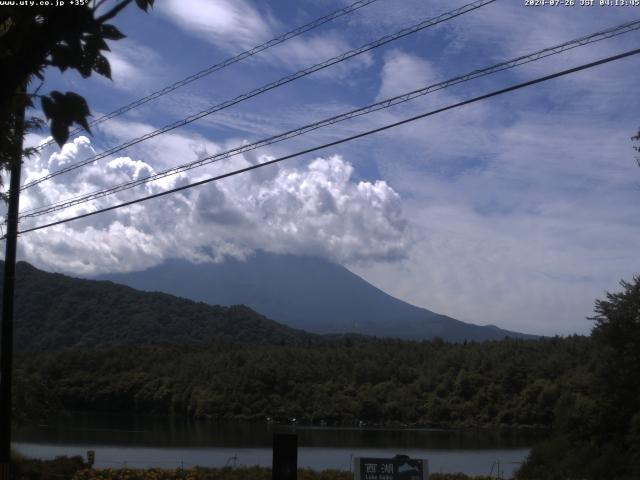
[315, 209]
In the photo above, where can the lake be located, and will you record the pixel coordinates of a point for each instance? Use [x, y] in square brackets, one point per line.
[170, 442]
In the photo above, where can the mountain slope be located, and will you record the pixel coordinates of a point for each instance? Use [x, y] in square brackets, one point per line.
[55, 311]
[307, 293]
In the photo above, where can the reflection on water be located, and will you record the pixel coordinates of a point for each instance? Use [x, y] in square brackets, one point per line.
[143, 441]
[158, 431]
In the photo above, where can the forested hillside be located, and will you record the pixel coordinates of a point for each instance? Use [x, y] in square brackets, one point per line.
[54, 311]
[511, 382]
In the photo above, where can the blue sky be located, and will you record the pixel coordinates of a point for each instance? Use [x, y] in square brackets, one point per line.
[518, 211]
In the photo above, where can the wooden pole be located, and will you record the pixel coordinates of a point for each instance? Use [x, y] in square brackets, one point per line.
[6, 329]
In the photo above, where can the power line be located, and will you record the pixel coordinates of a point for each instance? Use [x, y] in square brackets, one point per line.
[270, 86]
[524, 59]
[219, 66]
[284, 80]
[344, 140]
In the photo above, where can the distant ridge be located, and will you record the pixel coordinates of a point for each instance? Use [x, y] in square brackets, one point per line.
[54, 311]
[306, 293]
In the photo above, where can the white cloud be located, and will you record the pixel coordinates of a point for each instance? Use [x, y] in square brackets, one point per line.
[162, 151]
[536, 272]
[524, 207]
[404, 73]
[123, 72]
[302, 52]
[316, 209]
[230, 24]
[236, 26]
[526, 232]
[134, 67]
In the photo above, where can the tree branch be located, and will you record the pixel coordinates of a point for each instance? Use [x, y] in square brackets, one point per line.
[35, 93]
[97, 4]
[113, 12]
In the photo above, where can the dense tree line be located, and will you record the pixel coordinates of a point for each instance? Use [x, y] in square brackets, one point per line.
[597, 426]
[511, 382]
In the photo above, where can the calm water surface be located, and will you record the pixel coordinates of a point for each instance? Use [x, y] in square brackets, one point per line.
[145, 441]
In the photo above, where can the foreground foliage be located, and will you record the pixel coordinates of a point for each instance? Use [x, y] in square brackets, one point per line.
[74, 468]
[252, 473]
[36, 36]
[34, 469]
[597, 428]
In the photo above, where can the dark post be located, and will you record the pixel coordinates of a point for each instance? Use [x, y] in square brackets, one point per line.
[6, 342]
[91, 458]
[285, 456]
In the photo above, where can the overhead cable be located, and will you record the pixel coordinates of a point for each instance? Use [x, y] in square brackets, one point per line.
[338, 142]
[270, 86]
[219, 66]
[524, 59]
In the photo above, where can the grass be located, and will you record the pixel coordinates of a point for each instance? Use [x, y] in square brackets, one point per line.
[75, 468]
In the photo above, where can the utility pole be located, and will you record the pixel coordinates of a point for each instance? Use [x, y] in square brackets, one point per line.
[6, 330]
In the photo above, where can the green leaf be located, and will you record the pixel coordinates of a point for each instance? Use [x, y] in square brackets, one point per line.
[63, 57]
[102, 67]
[60, 132]
[75, 50]
[48, 107]
[112, 33]
[63, 110]
[76, 109]
[85, 67]
[144, 4]
[96, 43]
